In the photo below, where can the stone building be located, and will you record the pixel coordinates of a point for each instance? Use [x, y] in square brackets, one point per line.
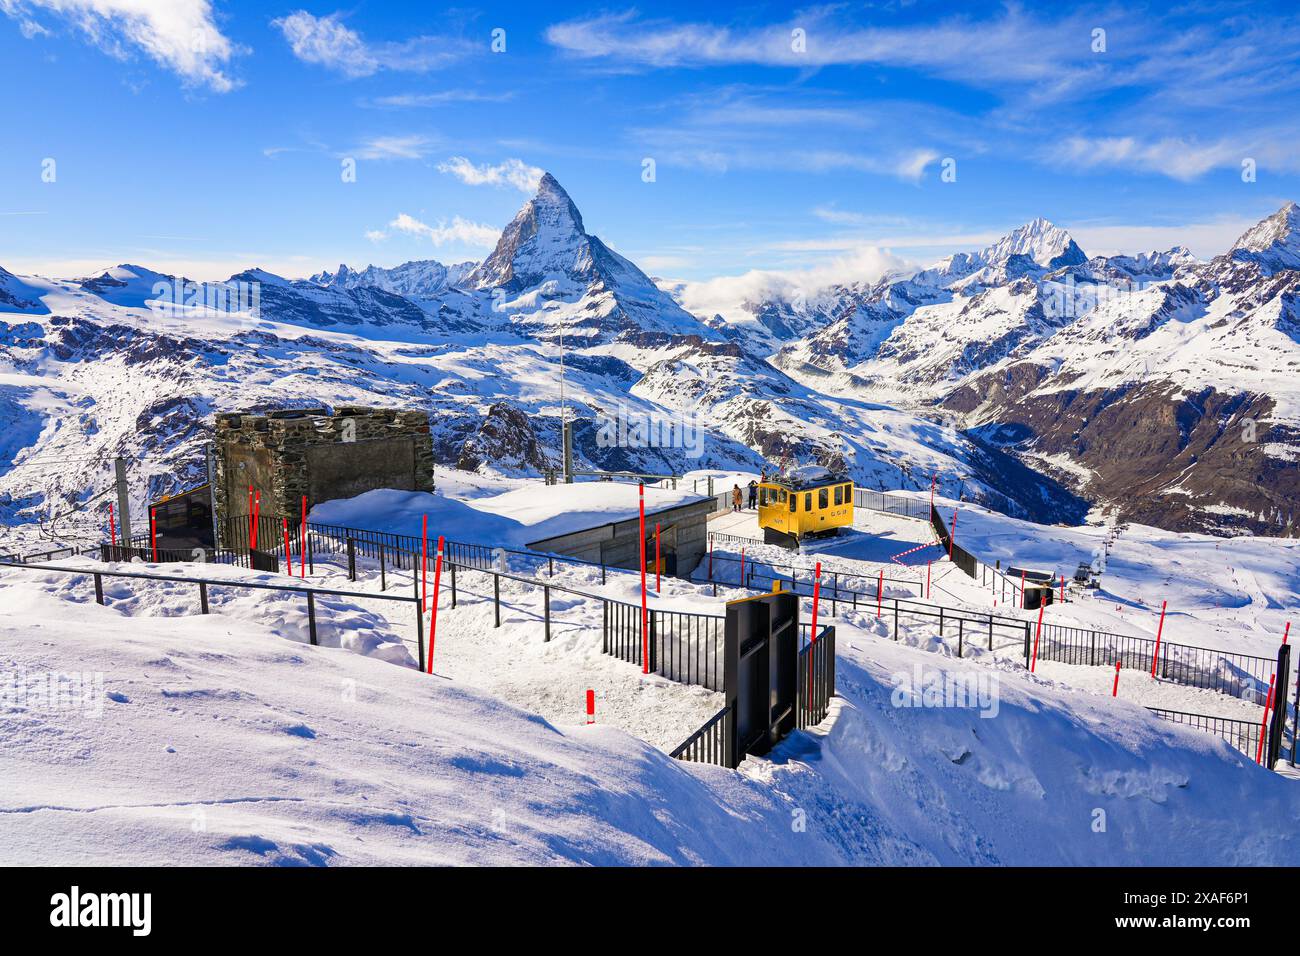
[287, 454]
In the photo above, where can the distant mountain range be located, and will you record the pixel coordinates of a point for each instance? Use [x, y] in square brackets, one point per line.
[1027, 375]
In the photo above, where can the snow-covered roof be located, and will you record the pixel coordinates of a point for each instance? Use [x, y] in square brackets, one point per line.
[531, 512]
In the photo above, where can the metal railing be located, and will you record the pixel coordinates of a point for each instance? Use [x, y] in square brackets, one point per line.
[683, 646]
[1227, 672]
[1242, 734]
[816, 679]
[710, 744]
[51, 555]
[836, 586]
[688, 645]
[715, 743]
[891, 504]
[145, 553]
[204, 584]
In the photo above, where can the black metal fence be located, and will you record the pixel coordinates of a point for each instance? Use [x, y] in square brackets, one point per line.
[203, 585]
[141, 551]
[51, 555]
[683, 646]
[714, 743]
[1242, 734]
[242, 533]
[836, 586]
[891, 504]
[711, 743]
[690, 647]
[1234, 674]
[816, 679]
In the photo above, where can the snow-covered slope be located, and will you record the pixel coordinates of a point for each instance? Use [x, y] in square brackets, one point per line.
[418, 280]
[1114, 374]
[1028, 376]
[549, 278]
[214, 740]
[132, 362]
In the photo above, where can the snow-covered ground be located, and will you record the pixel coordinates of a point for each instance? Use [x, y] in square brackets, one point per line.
[215, 740]
[855, 557]
[227, 738]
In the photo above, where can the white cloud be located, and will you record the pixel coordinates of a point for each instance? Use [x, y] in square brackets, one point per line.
[395, 147]
[912, 166]
[1176, 158]
[438, 98]
[376, 235]
[179, 35]
[458, 232]
[726, 295]
[1038, 58]
[1184, 159]
[512, 172]
[326, 42]
[1013, 46]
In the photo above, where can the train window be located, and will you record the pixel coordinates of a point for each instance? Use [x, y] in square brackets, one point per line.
[762, 496]
[807, 502]
[839, 494]
[794, 500]
[823, 498]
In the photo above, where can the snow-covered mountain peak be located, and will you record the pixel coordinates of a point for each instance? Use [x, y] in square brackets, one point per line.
[545, 240]
[417, 279]
[1041, 241]
[1038, 243]
[1273, 243]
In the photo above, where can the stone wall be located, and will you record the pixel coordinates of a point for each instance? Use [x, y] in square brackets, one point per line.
[285, 455]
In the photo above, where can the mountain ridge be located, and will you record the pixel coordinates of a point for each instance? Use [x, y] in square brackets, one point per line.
[1001, 363]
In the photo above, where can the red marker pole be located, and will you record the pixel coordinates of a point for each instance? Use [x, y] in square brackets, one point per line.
[153, 532]
[657, 562]
[257, 515]
[1268, 703]
[1286, 632]
[433, 618]
[952, 535]
[591, 706]
[284, 522]
[424, 564]
[1037, 631]
[112, 530]
[880, 590]
[1062, 588]
[1155, 658]
[817, 590]
[645, 614]
[302, 541]
[927, 578]
[1115, 690]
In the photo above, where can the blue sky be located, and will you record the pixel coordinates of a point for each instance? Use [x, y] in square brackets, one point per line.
[206, 137]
